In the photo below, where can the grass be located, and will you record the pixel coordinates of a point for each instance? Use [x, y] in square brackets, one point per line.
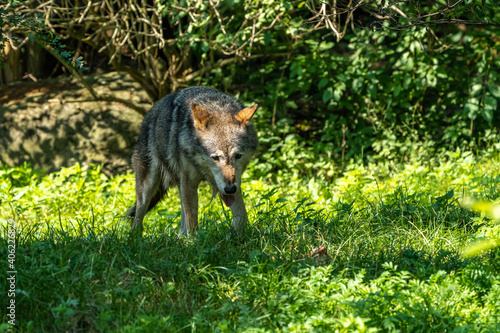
[392, 238]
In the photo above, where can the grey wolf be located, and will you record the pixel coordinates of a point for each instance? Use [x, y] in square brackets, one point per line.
[196, 134]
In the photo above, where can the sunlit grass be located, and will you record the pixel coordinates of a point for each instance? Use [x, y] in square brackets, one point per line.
[84, 194]
[393, 238]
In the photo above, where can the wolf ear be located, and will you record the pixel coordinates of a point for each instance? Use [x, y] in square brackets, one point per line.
[200, 115]
[246, 114]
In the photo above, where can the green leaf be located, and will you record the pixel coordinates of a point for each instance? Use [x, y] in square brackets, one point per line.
[204, 46]
[407, 80]
[291, 104]
[490, 105]
[476, 88]
[471, 108]
[268, 38]
[327, 94]
[337, 94]
[295, 70]
[323, 46]
[357, 83]
[372, 89]
[494, 90]
[396, 89]
[449, 195]
[322, 83]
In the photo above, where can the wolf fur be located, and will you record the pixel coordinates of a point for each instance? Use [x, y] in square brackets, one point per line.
[196, 134]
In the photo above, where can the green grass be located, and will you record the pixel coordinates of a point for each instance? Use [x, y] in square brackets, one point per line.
[393, 236]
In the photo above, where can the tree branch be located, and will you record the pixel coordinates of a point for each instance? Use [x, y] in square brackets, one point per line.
[95, 96]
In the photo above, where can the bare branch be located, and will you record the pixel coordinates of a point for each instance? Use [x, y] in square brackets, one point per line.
[331, 15]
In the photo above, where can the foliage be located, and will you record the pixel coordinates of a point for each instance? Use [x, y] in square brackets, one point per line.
[393, 235]
[489, 238]
[395, 97]
[168, 44]
[33, 27]
[397, 92]
[400, 15]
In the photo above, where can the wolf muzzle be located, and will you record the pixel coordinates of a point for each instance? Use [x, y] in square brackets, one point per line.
[230, 189]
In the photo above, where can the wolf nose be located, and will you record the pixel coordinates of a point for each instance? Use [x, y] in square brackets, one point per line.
[230, 189]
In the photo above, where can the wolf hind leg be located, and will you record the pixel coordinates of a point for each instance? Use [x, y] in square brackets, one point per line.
[160, 193]
[144, 200]
[147, 189]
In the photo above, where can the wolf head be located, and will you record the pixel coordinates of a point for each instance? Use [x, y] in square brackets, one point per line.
[229, 142]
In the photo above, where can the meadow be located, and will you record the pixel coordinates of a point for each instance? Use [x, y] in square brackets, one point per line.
[376, 248]
[375, 132]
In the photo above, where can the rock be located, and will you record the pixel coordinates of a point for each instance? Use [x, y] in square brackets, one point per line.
[52, 124]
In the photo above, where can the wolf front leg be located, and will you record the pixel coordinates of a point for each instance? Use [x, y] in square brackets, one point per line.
[188, 189]
[240, 217]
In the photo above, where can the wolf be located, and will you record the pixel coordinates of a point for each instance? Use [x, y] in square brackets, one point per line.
[196, 134]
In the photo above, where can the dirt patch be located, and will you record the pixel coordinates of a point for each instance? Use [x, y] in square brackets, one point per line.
[16, 93]
[53, 124]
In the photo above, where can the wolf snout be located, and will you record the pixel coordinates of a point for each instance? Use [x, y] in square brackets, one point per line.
[230, 189]
[228, 195]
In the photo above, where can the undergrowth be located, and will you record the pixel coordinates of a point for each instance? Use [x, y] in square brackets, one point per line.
[377, 249]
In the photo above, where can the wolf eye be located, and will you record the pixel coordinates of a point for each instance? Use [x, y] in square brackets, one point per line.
[215, 158]
[237, 156]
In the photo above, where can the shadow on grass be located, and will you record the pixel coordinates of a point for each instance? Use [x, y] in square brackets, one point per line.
[102, 279]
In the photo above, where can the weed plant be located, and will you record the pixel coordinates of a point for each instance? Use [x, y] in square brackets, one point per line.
[391, 262]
